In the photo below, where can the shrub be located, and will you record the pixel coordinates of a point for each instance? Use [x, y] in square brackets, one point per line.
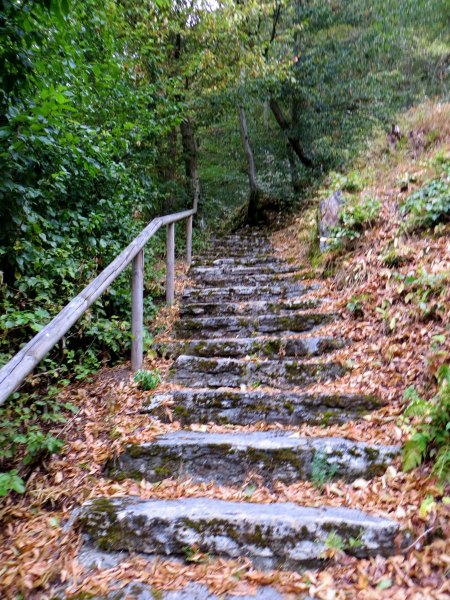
[430, 205]
[430, 436]
[147, 380]
[354, 219]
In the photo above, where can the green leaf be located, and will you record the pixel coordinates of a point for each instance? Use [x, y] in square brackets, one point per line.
[384, 584]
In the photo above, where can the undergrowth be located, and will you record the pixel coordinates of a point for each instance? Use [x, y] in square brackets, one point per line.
[429, 425]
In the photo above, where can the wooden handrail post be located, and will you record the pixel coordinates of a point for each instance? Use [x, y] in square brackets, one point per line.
[137, 312]
[189, 241]
[170, 264]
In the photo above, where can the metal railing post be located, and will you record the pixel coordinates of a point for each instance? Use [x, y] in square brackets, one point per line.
[137, 312]
[189, 241]
[170, 264]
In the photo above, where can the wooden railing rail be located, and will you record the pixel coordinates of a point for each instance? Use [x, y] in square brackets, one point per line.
[14, 373]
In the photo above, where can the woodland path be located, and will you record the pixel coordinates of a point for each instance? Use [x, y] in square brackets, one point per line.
[246, 348]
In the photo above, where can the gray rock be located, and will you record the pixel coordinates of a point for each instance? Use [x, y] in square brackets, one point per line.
[240, 270]
[256, 307]
[254, 346]
[280, 535]
[246, 407]
[232, 458]
[329, 212]
[197, 372]
[228, 325]
[243, 261]
[219, 278]
[242, 293]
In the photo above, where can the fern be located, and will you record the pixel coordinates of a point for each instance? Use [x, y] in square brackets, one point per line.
[430, 437]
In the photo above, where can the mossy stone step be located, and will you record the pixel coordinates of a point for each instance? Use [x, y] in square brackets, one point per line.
[200, 261]
[237, 293]
[194, 371]
[254, 346]
[280, 535]
[256, 307]
[226, 326]
[266, 456]
[241, 407]
[225, 278]
[209, 272]
[217, 252]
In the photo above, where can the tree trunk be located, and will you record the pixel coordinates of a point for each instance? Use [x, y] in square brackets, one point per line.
[292, 139]
[293, 168]
[252, 213]
[190, 151]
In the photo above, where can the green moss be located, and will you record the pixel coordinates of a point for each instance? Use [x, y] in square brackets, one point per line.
[181, 412]
[289, 407]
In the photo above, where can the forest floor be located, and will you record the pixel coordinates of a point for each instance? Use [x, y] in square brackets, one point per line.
[392, 348]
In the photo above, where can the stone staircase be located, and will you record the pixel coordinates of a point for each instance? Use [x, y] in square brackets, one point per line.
[242, 356]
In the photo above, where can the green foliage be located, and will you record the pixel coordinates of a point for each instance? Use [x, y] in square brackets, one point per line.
[355, 307]
[425, 291]
[147, 380]
[337, 543]
[80, 116]
[429, 206]
[353, 220]
[429, 438]
[11, 481]
[25, 435]
[322, 471]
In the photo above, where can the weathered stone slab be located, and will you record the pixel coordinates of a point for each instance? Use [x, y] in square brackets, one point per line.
[240, 407]
[329, 212]
[218, 252]
[194, 371]
[254, 346]
[256, 307]
[224, 279]
[227, 326]
[137, 590]
[240, 270]
[281, 535]
[243, 261]
[238, 293]
[232, 458]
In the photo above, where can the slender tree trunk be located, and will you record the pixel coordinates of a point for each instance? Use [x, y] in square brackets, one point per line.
[292, 139]
[293, 168]
[252, 213]
[190, 150]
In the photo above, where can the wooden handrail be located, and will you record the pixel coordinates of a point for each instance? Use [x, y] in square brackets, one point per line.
[14, 373]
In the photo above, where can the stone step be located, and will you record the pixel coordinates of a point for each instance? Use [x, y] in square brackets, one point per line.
[240, 271]
[239, 407]
[136, 590]
[230, 242]
[264, 456]
[218, 252]
[254, 346]
[279, 535]
[194, 371]
[215, 327]
[257, 307]
[272, 261]
[227, 279]
[237, 293]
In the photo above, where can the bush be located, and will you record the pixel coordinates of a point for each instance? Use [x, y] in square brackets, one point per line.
[430, 437]
[354, 219]
[430, 205]
[147, 380]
